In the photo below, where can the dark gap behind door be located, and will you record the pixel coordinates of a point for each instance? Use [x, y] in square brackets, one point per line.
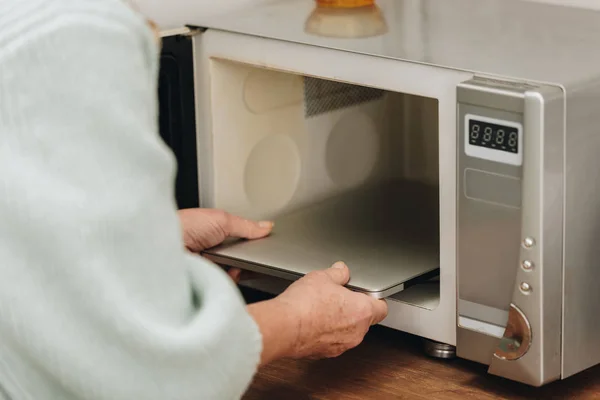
[177, 115]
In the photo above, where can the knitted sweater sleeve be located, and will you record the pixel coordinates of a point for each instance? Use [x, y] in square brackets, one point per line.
[98, 298]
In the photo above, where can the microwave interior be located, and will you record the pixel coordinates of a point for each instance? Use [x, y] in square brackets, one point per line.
[347, 173]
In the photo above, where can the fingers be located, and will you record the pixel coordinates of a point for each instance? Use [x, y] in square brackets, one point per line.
[380, 310]
[248, 276]
[339, 273]
[242, 228]
[235, 274]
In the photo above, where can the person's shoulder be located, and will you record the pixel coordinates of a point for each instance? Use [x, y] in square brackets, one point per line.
[22, 20]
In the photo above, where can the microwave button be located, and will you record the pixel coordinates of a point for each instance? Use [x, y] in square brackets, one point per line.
[527, 265]
[525, 287]
[529, 242]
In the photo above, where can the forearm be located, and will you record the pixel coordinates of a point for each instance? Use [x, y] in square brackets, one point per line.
[108, 305]
[279, 328]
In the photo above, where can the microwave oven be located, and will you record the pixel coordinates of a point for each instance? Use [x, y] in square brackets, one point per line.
[447, 151]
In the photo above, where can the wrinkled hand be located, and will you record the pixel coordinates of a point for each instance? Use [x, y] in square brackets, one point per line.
[206, 228]
[331, 318]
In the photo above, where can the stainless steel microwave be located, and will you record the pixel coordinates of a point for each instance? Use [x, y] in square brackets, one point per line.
[447, 151]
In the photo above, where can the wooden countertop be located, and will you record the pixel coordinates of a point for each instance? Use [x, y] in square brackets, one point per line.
[392, 365]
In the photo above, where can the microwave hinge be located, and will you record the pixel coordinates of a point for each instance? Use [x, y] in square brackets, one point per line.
[194, 30]
[186, 31]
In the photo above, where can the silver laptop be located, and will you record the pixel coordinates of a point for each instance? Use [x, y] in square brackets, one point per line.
[387, 239]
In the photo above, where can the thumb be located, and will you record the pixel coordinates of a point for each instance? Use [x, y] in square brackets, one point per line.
[238, 227]
[380, 310]
[339, 273]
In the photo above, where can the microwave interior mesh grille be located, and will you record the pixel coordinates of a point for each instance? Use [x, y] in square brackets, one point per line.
[322, 96]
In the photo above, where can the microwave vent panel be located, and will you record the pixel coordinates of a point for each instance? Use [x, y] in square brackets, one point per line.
[323, 96]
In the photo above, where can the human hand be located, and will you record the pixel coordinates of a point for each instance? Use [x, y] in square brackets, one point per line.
[316, 317]
[332, 319]
[206, 228]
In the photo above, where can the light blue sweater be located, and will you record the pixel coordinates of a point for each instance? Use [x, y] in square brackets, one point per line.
[98, 298]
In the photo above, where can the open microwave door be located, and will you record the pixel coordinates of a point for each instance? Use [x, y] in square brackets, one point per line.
[386, 234]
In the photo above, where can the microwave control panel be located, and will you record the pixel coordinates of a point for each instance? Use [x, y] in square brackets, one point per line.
[510, 148]
[490, 157]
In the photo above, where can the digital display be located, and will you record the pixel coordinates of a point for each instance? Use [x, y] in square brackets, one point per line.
[493, 136]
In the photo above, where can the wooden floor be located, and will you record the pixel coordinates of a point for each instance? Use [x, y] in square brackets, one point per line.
[391, 365]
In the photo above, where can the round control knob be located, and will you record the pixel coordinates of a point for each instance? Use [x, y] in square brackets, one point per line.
[525, 287]
[527, 265]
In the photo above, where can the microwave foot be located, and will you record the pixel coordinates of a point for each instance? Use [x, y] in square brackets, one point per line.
[438, 350]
